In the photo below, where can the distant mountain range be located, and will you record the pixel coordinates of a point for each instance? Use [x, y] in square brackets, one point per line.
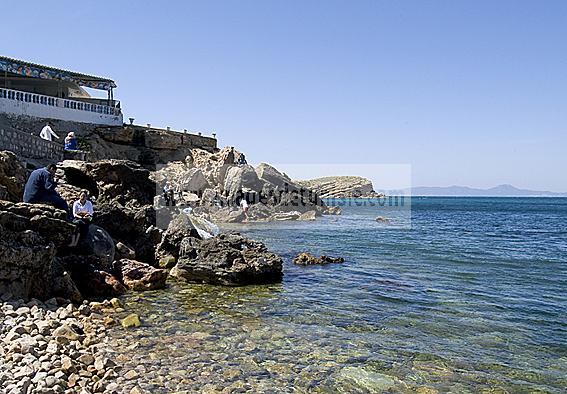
[498, 191]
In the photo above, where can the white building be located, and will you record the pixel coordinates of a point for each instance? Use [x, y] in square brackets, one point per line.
[29, 89]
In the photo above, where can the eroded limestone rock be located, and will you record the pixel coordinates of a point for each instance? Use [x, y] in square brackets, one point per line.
[228, 259]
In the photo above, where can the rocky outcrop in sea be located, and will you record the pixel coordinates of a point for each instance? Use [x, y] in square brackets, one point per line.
[341, 187]
[228, 259]
[213, 184]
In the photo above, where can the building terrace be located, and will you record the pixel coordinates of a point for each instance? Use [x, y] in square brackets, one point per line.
[31, 89]
[31, 94]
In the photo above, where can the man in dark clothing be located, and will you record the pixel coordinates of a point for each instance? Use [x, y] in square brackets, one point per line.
[40, 188]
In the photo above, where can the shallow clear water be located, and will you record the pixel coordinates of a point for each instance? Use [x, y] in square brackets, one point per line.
[471, 299]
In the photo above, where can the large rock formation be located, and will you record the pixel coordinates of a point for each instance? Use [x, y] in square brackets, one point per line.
[193, 181]
[111, 181]
[179, 228]
[12, 177]
[123, 193]
[275, 178]
[133, 226]
[228, 259]
[35, 260]
[31, 235]
[341, 187]
[213, 165]
[270, 194]
[241, 180]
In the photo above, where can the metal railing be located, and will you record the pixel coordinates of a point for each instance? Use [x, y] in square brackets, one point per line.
[35, 98]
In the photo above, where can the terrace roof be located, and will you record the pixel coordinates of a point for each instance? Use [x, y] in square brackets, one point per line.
[33, 70]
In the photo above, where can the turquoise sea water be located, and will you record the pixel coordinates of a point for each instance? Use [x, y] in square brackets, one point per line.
[472, 299]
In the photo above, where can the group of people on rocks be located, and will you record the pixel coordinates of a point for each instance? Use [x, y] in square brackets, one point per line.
[47, 134]
[40, 189]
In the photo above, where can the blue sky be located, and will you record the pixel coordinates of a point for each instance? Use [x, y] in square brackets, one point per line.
[466, 92]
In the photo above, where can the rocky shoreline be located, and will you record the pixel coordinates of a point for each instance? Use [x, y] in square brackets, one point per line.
[60, 344]
[49, 348]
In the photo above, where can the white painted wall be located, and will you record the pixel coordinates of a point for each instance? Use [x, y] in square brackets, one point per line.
[15, 107]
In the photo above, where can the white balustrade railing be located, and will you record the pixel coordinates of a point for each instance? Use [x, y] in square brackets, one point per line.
[35, 98]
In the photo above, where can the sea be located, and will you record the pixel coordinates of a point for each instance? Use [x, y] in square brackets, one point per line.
[469, 296]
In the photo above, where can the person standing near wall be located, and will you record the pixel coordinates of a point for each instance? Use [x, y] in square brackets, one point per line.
[47, 132]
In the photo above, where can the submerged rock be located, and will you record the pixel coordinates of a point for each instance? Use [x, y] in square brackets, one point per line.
[132, 320]
[228, 259]
[309, 259]
[167, 262]
[357, 379]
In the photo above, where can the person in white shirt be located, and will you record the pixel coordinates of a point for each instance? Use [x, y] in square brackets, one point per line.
[47, 133]
[82, 216]
[244, 205]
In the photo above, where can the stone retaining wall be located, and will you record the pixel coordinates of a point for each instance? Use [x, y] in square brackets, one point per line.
[29, 146]
[145, 145]
[158, 139]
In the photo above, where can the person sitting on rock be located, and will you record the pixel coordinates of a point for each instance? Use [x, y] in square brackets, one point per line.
[40, 188]
[82, 216]
[70, 141]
